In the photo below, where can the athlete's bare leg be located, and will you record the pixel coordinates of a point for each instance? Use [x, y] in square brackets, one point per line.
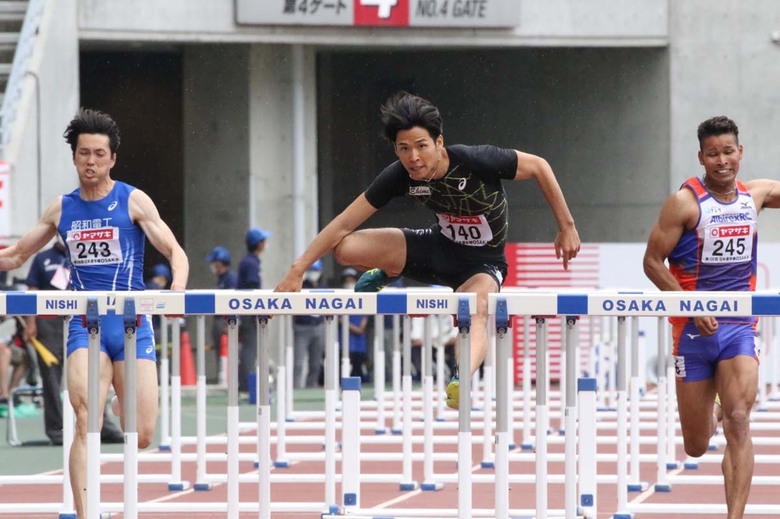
[146, 398]
[374, 248]
[482, 284]
[77, 389]
[737, 381]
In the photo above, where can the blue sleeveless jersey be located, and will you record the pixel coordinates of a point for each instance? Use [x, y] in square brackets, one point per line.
[105, 248]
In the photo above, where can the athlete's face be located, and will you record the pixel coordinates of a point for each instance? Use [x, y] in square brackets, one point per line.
[720, 156]
[93, 158]
[419, 153]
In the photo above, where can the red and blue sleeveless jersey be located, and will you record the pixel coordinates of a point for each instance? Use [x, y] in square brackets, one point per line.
[720, 252]
[105, 247]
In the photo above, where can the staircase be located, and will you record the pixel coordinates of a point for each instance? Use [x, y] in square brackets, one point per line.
[11, 17]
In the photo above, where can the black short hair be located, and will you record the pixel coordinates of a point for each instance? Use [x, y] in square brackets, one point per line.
[718, 125]
[91, 121]
[403, 111]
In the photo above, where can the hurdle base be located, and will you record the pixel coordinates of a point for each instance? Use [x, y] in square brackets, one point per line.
[431, 487]
[712, 447]
[380, 432]
[68, 515]
[164, 447]
[672, 465]
[406, 486]
[663, 487]
[623, 515]
[526, 446]
[279, 464]
[199, 487]
[640, 486]
[178, 486]
[487, 464]
[691, 465]
[396, 432]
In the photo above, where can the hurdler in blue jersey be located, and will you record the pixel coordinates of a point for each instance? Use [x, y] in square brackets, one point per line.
[462, 186]
[103, 224]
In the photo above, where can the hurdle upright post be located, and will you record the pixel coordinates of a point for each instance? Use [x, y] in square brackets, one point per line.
[165, 388]
[330, 383]
[93, 409]
[176, 483]
[503, 402]
[263, 416]
[570, 418]
[488, 385]
[232, 419]
[526, 444]
[542, 417]
[350, 441]
[379, 374]
[464, 411]
[634, 483]
[129, 411]
[622, 411]
[429, 482]
[201, 482]
[68, 511]
[396, 426]
[407, 482]
[662, 481]
[283, 372]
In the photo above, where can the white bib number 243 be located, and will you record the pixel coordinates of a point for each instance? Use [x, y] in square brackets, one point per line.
[94, 246]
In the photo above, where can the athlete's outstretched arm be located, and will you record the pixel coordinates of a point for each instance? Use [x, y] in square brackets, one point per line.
[567, 241]
[14, 256]
[145, 214]
[328, 239]
[765, 192]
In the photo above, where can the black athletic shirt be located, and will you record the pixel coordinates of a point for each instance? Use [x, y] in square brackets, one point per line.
[469, 201]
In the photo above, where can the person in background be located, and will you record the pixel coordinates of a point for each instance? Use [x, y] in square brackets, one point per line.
[309, 337]
[49, 271]
[444, 334]
[160, 280]
[358, 342]
[13, 365]
[161, 277]
[249, 278]
[219, 264]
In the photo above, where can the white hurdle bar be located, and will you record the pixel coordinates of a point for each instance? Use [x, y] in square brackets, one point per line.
[266, 303]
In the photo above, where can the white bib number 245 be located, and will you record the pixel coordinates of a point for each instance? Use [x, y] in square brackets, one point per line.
[728, 243]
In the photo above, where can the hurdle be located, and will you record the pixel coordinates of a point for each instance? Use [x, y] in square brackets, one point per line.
[567, 304]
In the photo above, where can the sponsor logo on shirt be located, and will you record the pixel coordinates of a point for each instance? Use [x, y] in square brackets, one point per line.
[420, 191]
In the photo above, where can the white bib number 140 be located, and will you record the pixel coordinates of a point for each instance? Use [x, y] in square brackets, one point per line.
[466, 230]
[385, 6]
